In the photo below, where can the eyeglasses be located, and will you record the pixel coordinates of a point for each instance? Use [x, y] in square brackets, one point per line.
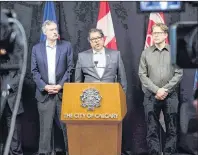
[95, 39]
[157, 33]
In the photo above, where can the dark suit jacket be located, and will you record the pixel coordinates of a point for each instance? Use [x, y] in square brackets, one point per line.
[188, 141]
[39, 66]
[11, 78]
[114, 70]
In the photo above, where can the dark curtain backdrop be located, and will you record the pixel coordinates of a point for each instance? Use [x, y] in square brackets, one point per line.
[75, 19]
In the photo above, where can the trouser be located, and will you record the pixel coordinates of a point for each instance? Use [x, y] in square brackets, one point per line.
[51, 133]
[152, 108]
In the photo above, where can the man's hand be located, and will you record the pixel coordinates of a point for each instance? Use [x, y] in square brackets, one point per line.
[161, 94]
[57, 87]
[51, 89]
[48, 88]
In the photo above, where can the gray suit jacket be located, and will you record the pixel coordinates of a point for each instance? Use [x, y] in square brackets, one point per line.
[114, 70]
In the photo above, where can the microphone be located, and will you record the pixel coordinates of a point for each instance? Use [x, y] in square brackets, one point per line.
[96, 63]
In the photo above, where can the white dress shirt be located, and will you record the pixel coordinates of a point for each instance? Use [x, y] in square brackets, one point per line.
[51, 62]
[100, 57]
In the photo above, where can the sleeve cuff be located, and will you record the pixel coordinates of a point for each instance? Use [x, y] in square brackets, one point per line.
[155, 89]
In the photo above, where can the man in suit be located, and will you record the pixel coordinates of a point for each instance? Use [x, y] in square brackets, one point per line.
[9, 80]
[51, 64]
[100, 64]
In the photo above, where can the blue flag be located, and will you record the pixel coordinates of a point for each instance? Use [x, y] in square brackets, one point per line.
[196, 80]
[49, 14]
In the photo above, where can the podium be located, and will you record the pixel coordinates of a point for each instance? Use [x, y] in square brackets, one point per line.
[93, 113]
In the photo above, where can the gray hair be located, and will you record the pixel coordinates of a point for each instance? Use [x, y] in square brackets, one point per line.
[47, 22]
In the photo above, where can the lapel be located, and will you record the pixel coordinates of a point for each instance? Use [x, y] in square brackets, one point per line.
[44, 54]
[58, 52]
[107, 54]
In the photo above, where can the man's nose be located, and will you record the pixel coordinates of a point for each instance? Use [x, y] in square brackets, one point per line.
[96, 41]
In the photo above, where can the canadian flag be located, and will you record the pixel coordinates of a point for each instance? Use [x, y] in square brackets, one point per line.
[153, 19]
[106, 25]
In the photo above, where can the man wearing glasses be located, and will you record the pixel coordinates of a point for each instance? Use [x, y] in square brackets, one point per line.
[159, 82]
[100, 64]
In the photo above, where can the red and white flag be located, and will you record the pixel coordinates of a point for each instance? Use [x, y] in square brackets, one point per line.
[153, 19]
[105, 23]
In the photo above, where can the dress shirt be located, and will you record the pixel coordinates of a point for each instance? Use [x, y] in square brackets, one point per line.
[51, 63]
[100, 57]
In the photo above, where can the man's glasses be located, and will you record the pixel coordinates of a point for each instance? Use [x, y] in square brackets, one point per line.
[157, 33]
[95, 39]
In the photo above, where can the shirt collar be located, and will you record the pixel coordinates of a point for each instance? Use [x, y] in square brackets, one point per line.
[167, 48]
[47, 44]
[99, 52]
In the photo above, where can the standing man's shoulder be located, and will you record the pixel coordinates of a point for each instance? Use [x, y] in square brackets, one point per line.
[112, 51]
[39, 44]
[147, 51]
[63, 43]
[84, 53]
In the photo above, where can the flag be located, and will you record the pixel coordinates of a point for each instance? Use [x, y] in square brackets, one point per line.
[49, 14]
[196, 80]
[105, 23]
[153, 19]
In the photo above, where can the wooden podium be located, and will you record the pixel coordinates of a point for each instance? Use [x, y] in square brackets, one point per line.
[97, 131]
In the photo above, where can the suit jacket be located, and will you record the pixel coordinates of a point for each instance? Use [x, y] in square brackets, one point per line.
[114, 70]
[39, 66]
[11, 78]
[188, 117]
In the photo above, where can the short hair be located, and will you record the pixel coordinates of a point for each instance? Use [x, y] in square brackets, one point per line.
[95, 30]
[47, 22]
[163, 26]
